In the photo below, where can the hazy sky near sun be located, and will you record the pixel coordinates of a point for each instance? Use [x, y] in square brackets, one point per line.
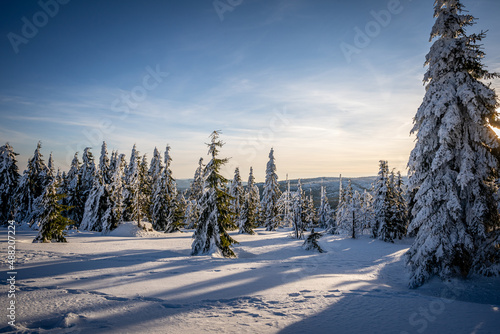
[268, 73]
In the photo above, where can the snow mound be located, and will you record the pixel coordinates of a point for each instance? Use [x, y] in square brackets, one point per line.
[130, 229]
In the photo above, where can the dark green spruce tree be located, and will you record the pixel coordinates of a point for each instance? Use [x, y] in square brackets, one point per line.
[216, 217]
[51, 222]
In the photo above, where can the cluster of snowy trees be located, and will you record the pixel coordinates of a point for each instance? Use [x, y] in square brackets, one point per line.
[381, 212]
[98, 196]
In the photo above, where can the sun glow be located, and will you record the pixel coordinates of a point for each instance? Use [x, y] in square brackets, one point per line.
[497, 131]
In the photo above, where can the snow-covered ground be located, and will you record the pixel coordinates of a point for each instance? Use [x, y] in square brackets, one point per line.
[149, 283]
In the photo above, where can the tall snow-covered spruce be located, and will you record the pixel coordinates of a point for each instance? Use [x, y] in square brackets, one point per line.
[216, 217]
[299, 214]
[50, 219]
[381, 203]
[73, 189]
[9, 176]
[453, 167]
[237, 197]
[99, 213]
[251, 206]
[270, 196]
[325, 215]
[165, 217]
[31, 186]
[194, 195]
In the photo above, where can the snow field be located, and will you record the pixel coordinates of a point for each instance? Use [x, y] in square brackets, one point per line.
[150, 284]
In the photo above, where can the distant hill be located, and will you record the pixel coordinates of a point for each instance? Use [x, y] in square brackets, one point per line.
[331, 184]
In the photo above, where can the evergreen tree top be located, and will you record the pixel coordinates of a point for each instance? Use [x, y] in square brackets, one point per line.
[237, 177]
[168, 158]
[449, 21]
[50, 163]
[104, 161]
[156, 164]
[454, 50]
[215, 144]
[251, 178]
[271, 166]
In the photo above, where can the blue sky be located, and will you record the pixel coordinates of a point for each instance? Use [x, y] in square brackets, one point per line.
[267, 73]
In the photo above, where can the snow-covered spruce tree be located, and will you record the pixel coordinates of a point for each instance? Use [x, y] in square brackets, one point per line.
[253, 196]
[310, 216]
[155, 171]
[311, 242]
[175, 222]
[285, 205]
[60, 177]
[87, 172]
[455, 162]
[194, 194]
[9, 176]
[81, 186]
[180, 209]
[156, 166]
[342, 213]
[325, 211]
[50, 220]
[95, 206]
[196, 189]
[98, 203]
[336, 213]
[388, 227]
[350, 213]
[381, 203]
[367, 214]
[51, 170]
[270, 196]
[216, 217]
[165, 200]
[131, 193]
[72, 188]
[145, 190]
[113, 214]
[237, 194]
[399, 207]
[105, 165]
[251, 206]
[356, 214]
[31, 186]
[299, 206]
[190, 214]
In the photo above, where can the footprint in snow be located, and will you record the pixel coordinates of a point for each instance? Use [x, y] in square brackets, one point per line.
[118, 299]
[280, 314]
[171, 305]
